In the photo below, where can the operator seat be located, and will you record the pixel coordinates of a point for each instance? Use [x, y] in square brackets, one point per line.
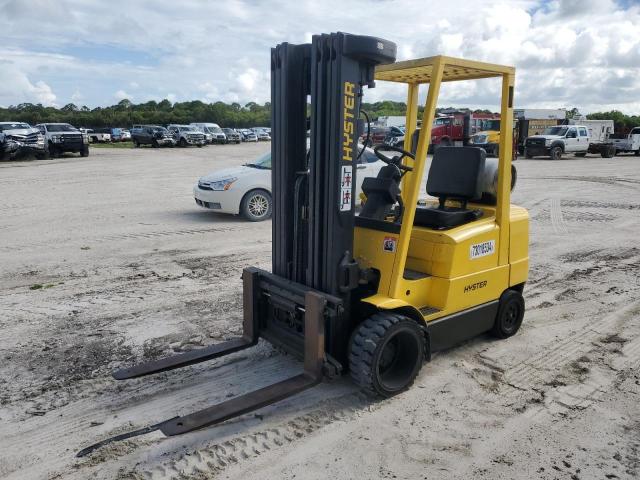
[455, 174]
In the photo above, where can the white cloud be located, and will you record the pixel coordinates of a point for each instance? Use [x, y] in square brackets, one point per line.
[583, 53]
[16, 87]
[121, 95]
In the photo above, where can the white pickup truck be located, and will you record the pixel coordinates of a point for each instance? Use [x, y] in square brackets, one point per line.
[588, 136]
[628, 144]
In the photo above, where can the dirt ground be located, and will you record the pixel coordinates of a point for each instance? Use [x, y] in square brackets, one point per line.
[107, 260]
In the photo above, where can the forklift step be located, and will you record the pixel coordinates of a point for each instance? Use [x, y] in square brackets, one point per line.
[414, 274]
[184, 359]
[428, 310]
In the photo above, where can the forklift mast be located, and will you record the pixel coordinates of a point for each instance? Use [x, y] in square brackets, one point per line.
[313, 185]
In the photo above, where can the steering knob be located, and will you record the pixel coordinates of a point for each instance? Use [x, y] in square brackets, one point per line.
[395, 160]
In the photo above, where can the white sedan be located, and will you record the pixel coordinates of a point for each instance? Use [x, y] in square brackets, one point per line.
[246, 190]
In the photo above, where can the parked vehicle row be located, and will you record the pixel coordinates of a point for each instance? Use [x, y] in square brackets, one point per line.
[246, 190]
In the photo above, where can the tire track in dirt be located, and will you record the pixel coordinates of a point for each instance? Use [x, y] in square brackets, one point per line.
[215, 458]
[535, 370]
[557, 221]
[131, 236]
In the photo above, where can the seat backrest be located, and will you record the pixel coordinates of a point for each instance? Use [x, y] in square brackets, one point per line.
[456, 172]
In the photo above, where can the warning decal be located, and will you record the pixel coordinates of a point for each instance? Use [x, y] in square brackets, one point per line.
[346, 188]
[389, 244]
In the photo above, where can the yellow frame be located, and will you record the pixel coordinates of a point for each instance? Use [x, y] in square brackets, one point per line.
[434, 71]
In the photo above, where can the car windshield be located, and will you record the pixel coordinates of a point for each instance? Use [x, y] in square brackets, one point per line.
[13, 126]
[60, 127]
[263, 163]
[561, 131]
[159, 129]
[441, 121]
[187, 129]
[227, 130]
[214, 129]
[367, 156]
[490, 125]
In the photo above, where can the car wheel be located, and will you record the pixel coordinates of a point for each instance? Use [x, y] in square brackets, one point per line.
[256, 205]
[182, 143]
[510, 314]
[555, 153]
[53, 151]
[136, 144]
[386, 352]
[154, 143]
[84, 152]
[608, 152]
[580, 154]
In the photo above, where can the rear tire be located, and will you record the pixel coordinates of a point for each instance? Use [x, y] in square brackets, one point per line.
[386, 352]
[555, 153]
[580, 154]
[136, 144]
[155, 143]
[608, 152]
[510, 314]
[84, 152]
[182, 143]
[256, 206]
[445, 142]
[637, 153]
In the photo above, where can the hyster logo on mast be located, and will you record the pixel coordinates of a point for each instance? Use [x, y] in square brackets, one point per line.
[348, 131]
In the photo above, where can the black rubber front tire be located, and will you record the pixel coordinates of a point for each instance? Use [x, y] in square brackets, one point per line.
[555, 153]
[510, 314]
[154, 143]
[256, 205]
[386, 352]
[136, 144]
[84, 152]
[53, 151]
[182, 143]
[637, 154]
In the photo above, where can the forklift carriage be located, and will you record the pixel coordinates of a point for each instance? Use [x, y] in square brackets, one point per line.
[376, 293]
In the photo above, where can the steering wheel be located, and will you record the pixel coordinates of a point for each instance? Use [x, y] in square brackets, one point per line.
[395, 160]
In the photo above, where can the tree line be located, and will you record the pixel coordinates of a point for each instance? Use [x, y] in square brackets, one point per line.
[233, 115]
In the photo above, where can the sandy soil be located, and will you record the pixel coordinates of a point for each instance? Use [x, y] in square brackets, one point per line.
[107, 260]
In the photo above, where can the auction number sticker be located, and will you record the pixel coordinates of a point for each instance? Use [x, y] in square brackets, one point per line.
[483, 249]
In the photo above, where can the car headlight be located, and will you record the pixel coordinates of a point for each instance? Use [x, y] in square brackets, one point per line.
[547, 141]
[225, 184]
[56, 138]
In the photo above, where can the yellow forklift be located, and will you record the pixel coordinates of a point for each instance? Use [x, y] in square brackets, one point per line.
[375, 293]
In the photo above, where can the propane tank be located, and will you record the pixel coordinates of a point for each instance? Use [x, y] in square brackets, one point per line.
[489, 180]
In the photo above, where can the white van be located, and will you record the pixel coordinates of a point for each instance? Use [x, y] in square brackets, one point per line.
[213, 129]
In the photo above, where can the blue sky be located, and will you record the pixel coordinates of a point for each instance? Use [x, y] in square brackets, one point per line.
[583, 53]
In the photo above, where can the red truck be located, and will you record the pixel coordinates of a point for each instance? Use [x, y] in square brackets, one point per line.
[457, 128]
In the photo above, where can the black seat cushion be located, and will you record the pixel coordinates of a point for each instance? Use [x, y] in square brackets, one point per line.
[444, 218]
[456, 172]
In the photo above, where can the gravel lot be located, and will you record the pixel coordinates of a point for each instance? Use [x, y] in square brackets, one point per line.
[107, 260]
